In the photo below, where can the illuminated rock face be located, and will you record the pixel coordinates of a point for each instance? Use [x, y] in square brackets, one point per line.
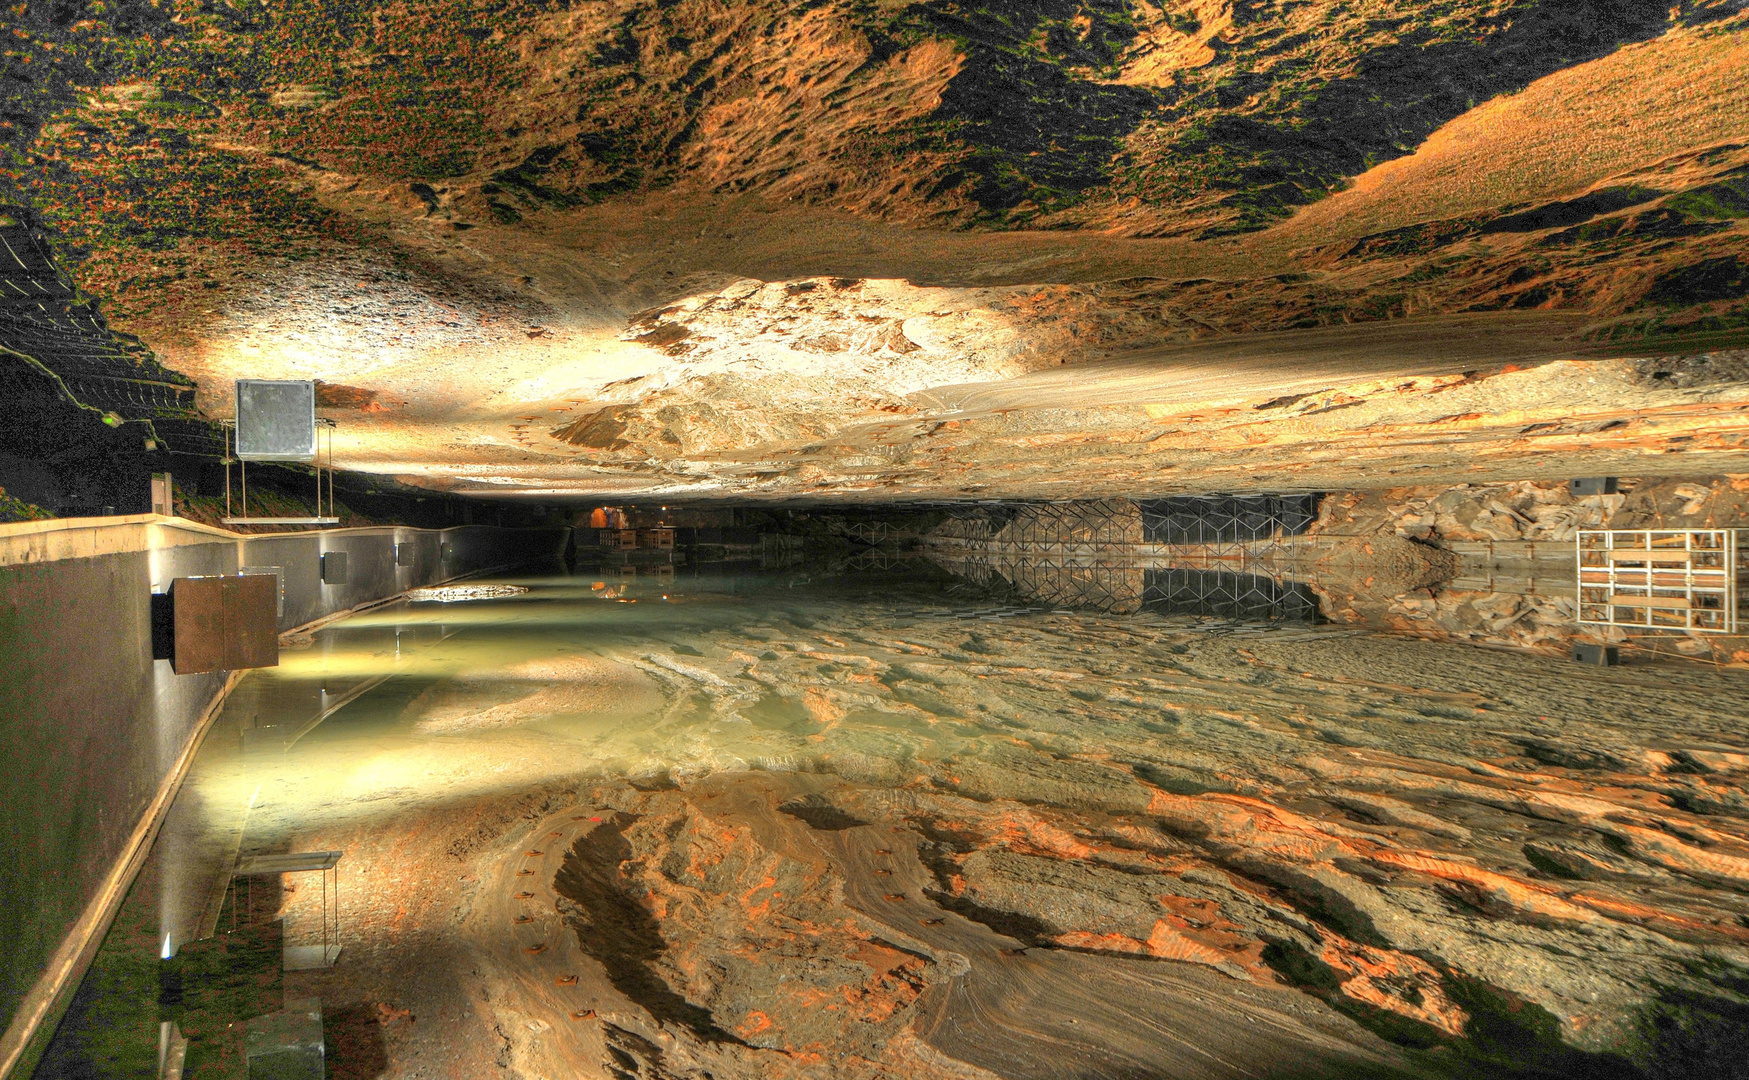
[741, 248]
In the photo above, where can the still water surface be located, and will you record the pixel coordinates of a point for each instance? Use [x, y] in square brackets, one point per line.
[885, 824]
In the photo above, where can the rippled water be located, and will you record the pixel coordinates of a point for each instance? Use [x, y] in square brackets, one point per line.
[883, 823]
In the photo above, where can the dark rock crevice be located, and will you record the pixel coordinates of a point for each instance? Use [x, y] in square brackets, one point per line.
[599, 905]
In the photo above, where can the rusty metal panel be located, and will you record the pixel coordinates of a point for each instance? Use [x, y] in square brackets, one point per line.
[251, 621]
[199, 613]
[278, 575]
[224, 623]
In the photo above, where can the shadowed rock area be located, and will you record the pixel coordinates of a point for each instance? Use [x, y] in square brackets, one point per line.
[618, 931]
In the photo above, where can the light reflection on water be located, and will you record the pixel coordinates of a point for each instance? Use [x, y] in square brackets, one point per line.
[577, 676]
[1498, 812]
[431, 703]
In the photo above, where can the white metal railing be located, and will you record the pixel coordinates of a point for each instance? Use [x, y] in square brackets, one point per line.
[1662, 579]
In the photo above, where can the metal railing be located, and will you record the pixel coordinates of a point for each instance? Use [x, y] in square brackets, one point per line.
[1661, 579]
[241, 517]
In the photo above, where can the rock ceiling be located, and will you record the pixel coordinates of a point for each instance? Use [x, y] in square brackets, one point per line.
[868, 248]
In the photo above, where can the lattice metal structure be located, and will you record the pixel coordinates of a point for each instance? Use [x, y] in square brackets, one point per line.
[1070, 528]
[1229, 595]
[1118, 556]
[1689, 580]
[1229, 528]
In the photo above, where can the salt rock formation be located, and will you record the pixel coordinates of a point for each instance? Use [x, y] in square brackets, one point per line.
[558, 251]
[1254, 806]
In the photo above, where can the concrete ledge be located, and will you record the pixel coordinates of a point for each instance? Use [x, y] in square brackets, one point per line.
[97, 734]
[48, 998]
[88, 538]
[73, 538]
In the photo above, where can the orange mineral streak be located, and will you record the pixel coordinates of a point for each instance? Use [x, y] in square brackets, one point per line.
[1251, 824]
[762, 909]
[1391, 981]
[1679, 927]
[1169, 942]
[1172, 939]
[1201, 920]
[755, 1023]
[821, 707]
[1663, 848]
[1494, 888]
[1030, 835]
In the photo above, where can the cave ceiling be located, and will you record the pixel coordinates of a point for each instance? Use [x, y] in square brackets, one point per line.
[858, 247]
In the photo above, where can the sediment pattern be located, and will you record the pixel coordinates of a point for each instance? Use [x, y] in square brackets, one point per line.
[872, 841]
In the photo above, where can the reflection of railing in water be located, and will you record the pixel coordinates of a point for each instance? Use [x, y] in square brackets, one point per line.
[1058, 582]
[871, 559]
[1226, 519]
[1107, 554]
[779, 550]
[1229, 595]
[1660, 579]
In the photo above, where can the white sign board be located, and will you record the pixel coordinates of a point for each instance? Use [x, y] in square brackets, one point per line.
[276, 420]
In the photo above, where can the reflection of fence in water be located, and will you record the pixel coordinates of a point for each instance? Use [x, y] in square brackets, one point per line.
[1228, 595]
[1662, 579]
[1063, 554]
[1187, 555]
[780, 551]
[1054, 582]
[871, 560]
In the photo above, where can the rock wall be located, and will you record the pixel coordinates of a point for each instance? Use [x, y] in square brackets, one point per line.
[1512, 582]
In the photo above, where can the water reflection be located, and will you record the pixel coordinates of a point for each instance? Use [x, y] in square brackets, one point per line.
[916, 812]
[1489, 564]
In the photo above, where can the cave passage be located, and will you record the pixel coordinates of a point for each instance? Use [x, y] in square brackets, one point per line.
[1007, 785]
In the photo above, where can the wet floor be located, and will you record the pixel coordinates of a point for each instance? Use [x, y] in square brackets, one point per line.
[881, 818]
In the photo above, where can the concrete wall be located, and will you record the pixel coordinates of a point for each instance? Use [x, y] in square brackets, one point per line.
[94, 733]
[372, 570]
